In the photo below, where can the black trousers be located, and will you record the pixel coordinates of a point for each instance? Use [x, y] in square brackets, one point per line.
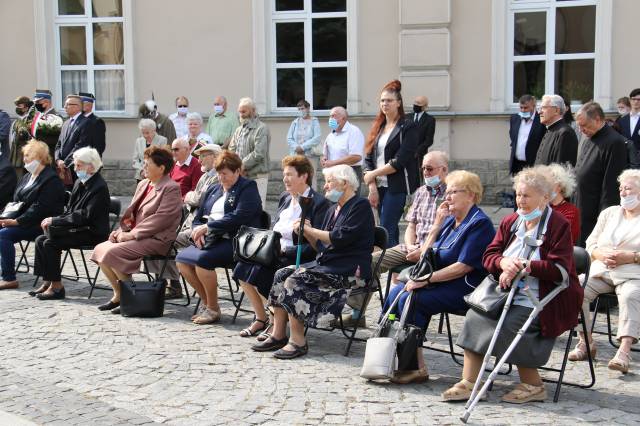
[48, 253]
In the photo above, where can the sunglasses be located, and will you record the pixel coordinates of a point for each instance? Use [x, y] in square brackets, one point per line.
[183, 106]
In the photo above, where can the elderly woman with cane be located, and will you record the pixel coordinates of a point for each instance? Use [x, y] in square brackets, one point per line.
[548, 264]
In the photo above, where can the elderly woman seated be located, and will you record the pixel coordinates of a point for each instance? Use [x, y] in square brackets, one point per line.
[147, 227]
[149, 137]
[563, 179]
[225, 207]
[195, 136]
[458, 237]
[87, 213]
[544, 267]
[317, 292]
[256, 279]
[39, 194]
[614, 246]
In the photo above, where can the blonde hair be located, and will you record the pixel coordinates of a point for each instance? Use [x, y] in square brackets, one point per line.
[467, 180]
[564, 176]
[39, 150]
[535, 178]
[630, 174]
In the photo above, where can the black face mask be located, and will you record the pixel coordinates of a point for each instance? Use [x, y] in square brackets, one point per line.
[40, 107]
[417, 109]
[20, 111]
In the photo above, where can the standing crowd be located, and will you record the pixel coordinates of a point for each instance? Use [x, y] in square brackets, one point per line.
[575, 183]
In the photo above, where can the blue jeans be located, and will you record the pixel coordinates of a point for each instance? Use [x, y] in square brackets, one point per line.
[8, 237]
[390, 209]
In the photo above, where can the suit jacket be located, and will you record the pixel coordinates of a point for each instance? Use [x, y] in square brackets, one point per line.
[243, 206]
[623, 124]
[400, 153]
[316, 214]
[98, 131]
[426, 129]
[158, 215]
[45, 198]
[533, 141]
[73, 138]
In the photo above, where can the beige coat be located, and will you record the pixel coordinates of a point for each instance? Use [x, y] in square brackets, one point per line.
[604, 235]
[138, 152]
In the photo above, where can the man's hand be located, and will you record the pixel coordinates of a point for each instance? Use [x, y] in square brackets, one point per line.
[414, 255]
[299, 150]
[370, 177]
[45, 223]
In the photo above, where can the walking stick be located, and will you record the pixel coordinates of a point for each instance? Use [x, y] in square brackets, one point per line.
[305, 204]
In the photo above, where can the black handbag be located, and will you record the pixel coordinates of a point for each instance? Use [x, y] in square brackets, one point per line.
[421, 271]
[58, 232]
[253, 245]
[142, 298]
[12, 210]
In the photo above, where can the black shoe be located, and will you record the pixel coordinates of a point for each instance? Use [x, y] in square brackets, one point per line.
[108, 306]
[116, 311]
[56, 295]
[173, 292]
[295, 353]
[271, 344]
[42, 289]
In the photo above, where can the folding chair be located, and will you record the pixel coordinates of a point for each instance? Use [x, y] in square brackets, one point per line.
[23, 257]
[171, 254]
[608, 301]
[380, 240]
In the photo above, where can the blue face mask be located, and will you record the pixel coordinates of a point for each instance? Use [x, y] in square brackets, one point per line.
[432, 181]
[334, 195]
[532, 215]
[525, 115]
[302, 113]
[554, 195]
[82, 175]
[333, 124]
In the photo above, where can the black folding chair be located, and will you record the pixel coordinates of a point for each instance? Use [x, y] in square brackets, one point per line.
[380, 240]
[607, 301]
[171, 254]
[23, 260]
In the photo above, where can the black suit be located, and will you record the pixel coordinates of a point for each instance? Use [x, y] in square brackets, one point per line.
[98, 131]
[426, 129]
[634, 138]
[73, 137]
[533, 142]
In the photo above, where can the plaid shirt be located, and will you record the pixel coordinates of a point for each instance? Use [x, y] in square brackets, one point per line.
[423, 211]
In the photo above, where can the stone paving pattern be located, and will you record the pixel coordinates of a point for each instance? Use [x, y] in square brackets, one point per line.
[67, 363]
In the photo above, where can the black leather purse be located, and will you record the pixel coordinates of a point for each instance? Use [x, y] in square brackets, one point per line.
[253, 245]
[58, 232]
[12, 210]
[142, 298]
[421, 271]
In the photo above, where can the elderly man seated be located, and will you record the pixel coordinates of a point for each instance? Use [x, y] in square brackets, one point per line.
[420, 218]
[187, 170]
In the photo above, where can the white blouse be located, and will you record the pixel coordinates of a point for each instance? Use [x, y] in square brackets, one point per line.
[217, 210]
[287, 217]
[382, 143]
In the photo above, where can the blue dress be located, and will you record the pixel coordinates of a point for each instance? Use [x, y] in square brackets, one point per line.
[465, 244]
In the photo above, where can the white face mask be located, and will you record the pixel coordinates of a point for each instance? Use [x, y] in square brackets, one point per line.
[218, 109]
[629, 202]
[32, 166]
[183, 110]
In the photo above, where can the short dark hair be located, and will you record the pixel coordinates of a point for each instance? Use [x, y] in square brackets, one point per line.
[525, 99]
[591, 110]
[228, 160]
[634, 92]
[303, 103]
[301, 164]
[160, 156]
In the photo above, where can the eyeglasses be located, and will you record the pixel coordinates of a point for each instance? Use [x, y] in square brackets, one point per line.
[175, 149]
[635, 99]
[453, 192]
[429, 169]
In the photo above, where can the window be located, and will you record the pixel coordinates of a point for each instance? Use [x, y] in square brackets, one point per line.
[309, 53]
[90, 51]
[552, 49]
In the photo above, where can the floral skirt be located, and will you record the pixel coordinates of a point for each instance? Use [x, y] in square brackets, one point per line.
[314, 298]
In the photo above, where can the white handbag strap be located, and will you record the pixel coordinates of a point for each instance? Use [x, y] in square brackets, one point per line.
[385, 316]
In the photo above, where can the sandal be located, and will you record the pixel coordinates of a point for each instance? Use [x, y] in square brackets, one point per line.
[579, 353]
[209, 316]
[248, 332]
[44, 287]
[461, 391]
[295, 353]
[200, 311]
[524, 392]
[266, 333]
[620, 362]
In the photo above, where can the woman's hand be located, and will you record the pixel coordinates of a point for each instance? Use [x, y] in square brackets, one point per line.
[412, 285]
[510, 266]
[374, 197]
[45, 223]
[197, 235]
[441, 214]
[7, 223]
[123, 237]
[370, 177]
[614, 258]
[113, 236]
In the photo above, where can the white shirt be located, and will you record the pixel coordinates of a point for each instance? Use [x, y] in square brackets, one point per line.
[217, 210]
[186, 162]
[417, 116]
[523, 135]
[633, 121]
[284, 225]
[382, 143]
[349, 141]
[180, 123]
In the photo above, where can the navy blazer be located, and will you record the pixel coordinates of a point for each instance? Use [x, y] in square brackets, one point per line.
[352, 237]
[79, 136]
[316, 215]
[400, 153]
[634, 146]
[45, 198]
[533, 142]
[242, 207]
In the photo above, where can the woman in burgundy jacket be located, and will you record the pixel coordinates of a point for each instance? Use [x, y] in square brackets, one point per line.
[549, 265]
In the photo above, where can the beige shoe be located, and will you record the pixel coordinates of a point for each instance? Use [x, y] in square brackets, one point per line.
[349, 322]
[620, 362]
[461, 391]
[209, 316]
[8, 285]
[411, 376]
[579, 353]
[200, 311]
[524, 392]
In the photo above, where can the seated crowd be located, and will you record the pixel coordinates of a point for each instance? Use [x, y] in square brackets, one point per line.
[198, 195]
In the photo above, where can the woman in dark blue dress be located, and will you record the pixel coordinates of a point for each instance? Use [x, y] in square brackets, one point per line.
[459, 237]
[225, 207]
[256, 279]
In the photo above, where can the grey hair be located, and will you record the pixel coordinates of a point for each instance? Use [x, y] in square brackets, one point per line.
[441, 156]
[556, 101]
[630, 174]
[89, 156]
[247, 102]
[182, 142]
[344, 173]
[564, 176]
[147, 124]
[340, 111]
[535, 178]
[591, 111]
[194, 116]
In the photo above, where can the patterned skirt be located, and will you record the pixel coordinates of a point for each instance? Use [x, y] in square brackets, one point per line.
[314, 298]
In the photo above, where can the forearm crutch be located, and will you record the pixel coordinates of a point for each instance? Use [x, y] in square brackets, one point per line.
[538, 306]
